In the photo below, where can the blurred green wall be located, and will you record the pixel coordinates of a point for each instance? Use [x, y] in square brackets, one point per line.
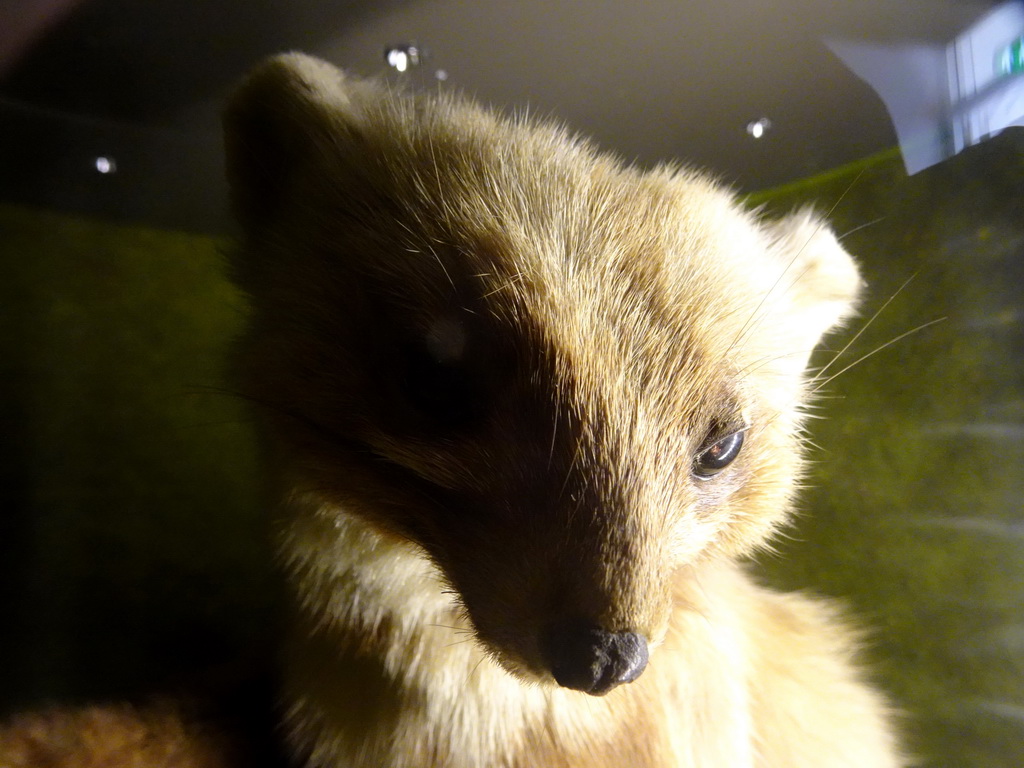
[130, 550]
[131, 544]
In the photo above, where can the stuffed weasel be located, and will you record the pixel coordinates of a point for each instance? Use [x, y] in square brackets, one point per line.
[526, 409]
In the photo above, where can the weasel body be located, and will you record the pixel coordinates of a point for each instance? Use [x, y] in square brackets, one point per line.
[529, 407]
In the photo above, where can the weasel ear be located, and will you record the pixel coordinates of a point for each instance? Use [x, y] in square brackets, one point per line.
[821, 281]
[276, 120]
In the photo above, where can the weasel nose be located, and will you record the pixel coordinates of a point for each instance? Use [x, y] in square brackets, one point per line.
[593, 660]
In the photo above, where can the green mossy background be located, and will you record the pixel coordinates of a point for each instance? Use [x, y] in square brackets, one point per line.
[916, 514]
[132, 546]
[130, 550]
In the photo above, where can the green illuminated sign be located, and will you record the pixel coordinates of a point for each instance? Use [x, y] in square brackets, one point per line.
[1011, 59]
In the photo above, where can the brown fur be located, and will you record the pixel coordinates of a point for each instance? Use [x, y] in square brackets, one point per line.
[487, 356]
[487, 359]
[159, 736]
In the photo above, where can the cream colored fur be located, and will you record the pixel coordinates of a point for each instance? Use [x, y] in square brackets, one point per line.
[607, 325]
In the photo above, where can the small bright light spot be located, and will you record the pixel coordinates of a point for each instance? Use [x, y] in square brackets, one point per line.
[758, 128]
[441, 74]
[106, 165]
[399, 60]
[403, 57]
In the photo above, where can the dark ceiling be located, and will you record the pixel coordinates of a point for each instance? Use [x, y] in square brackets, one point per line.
[141, 82]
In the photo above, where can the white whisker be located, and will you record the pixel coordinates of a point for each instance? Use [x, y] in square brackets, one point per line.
[864, 327]
[875, 351]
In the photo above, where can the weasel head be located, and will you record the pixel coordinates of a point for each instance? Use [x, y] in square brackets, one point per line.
[566, 380]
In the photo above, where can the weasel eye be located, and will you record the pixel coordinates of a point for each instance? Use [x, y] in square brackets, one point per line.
[717, 457]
